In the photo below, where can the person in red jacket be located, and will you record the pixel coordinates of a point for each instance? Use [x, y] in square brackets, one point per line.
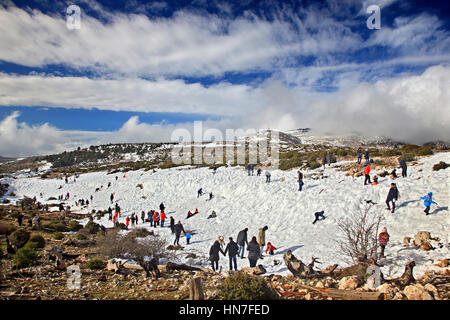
[367, 174]
[127, 221]
[155, 218]
[196, 211]
[270, 248]
[163, 218]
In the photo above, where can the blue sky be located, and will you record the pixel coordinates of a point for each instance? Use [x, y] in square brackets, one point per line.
[138, 70]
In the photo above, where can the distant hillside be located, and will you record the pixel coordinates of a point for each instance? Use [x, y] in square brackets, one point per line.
[6, 159]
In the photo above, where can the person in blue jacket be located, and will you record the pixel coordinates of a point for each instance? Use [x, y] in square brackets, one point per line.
[428, 201]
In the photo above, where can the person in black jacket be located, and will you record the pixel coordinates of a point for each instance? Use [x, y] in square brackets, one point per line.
[214, 255]
[232, 249]
[178, 228]
[172, 224]
[402, 164]
[161, 207]
[254, 252]
[392, 197]
[242, 241]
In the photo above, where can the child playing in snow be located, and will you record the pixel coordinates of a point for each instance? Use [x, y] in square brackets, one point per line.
[428, 201]
[270, 248]
[383, 239]
[319, 216]
[188, 236]
[375, 181]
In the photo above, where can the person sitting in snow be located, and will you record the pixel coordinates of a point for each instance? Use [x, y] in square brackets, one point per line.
[189, 214]
[375, 181]
[196, 211]
[212, 215]
[270, 248]
[428, 201]
[393, 174]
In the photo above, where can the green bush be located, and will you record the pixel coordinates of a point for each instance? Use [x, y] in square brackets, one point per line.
[58, 236]
[409, 157]
[92, 227]
[19, 238]
[390, 153]
[96, 264]
[424, 151]
[38, 240]
[440, 165]
[313, 165]
[138, 233]
[25, 257]
[74, 226]
[56, 225]
[80, 236]
[241, 286]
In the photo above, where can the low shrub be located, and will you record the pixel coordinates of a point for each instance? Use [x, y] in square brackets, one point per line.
[92, 227]
[6, 229]
[440, 166]
[58, 236]
[80, 236]
[74, 226]
[19, 238]
[38, 240]
[56, 225]
[241, 286]
[139, 233]
[96, 264]
[25, 257]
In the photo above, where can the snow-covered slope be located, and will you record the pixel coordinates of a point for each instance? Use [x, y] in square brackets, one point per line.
[247, 201]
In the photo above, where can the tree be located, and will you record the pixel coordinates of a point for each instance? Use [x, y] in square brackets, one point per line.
[145, 251]
[359, 234]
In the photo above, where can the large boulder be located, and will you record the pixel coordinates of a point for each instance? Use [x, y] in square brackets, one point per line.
[350, 283]
[421, 236]
[417, 292]
[389, 290]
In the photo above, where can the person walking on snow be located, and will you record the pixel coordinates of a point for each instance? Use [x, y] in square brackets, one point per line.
[262, 237]
[214, 255]
[188, 236]
[199, 192]
[383, 239]
[267, 176]
[359, 155]
[300, 180]
[162, 207]
[392, 196]
[172, 224]
[366, 156]
[254, 252]
[178, 228]
[258, 172]
[242, 241]
[428, 202]
[402, 163]
[143, 216]
[163, 218]
[127, 222]
[367, 174]
[232, 249]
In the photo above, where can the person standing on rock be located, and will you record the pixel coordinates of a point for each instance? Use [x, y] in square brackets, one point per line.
[383, 239]
[214, 255]
[254, 252]
[178, 228]
[392, 196]
[242, 241]
[232, 249]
